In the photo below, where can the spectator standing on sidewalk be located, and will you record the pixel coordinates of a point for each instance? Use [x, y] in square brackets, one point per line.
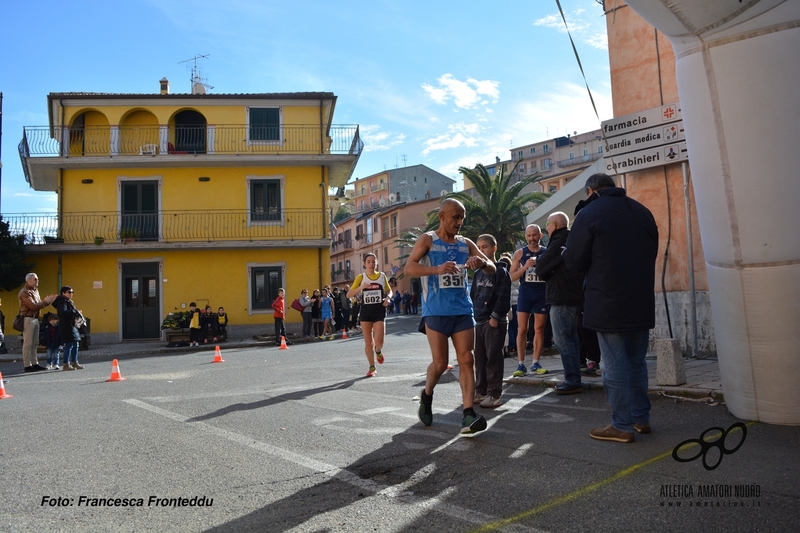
[316, 313]
[305, 301]
[564, 289]
[614, 240]
[279, 314]
[51, 339]
[68, 315]
[491, 298]
[29, 306]
[195, 326]
[327, 310]
[346, 307]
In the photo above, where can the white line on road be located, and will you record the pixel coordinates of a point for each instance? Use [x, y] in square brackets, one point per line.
[401, 493]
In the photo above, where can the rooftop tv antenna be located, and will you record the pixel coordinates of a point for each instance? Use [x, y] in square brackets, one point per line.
[199, 85]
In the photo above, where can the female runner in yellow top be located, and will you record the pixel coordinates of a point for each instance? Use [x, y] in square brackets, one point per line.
[376, 296]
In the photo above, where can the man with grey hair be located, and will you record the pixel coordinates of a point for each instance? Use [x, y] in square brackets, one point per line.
[614, 240]
[564, 295]
[29, 306]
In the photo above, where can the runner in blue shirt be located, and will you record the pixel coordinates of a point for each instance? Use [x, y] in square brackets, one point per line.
[441, 258]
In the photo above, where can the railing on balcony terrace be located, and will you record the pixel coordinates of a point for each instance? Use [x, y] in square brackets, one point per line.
[164, 140]
[344, 275]
[170, 226]
[578, 160]
[342, 246]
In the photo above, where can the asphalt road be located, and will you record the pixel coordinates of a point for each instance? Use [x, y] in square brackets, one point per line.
[299, 440]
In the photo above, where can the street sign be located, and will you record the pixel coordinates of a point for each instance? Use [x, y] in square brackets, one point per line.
[648, 138]
[657, 116]
[648, 158]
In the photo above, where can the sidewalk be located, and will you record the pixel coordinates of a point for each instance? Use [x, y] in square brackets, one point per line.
[702, 377]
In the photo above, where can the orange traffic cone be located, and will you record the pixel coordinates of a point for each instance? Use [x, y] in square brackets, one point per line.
[115, 375]
[283, 343]
[344, 334]
[3, 394]
[218, 356]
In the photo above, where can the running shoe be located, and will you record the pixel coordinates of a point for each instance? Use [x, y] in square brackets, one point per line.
[371, 372]
[479, 397]
[425, 412]
[539, 369]
[520, 371]
[472, 424]
[379, 357]
[591, 369]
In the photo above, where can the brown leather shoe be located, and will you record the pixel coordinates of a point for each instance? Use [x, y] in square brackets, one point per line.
[644, 429]
[76, 366]
[611, 433]
[67, 367]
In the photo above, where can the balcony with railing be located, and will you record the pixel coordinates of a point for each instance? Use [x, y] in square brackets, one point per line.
[345, 245]
[342, 275]
[379, 187]
[169, 226]
[579, 160]
[45, 148]
[105, 141]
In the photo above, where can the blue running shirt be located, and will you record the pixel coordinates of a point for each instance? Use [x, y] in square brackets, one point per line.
[530, 283]
[446, 294]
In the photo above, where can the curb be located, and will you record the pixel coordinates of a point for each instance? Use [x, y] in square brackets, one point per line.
[687, 392]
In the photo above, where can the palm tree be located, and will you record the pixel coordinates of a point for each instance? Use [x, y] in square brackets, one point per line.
[497, 208]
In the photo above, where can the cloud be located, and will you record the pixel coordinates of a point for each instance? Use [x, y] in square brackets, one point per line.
[467, 94]
[590, 31]
[375, 140]
[443, 142]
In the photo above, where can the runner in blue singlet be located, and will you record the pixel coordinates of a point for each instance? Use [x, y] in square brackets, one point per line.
[531, 299]
[441, 258]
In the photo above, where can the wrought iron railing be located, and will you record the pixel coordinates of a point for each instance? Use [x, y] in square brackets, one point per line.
[343, 275]
[579, 160]
[342, 246]
[168, 226]
[238, 139]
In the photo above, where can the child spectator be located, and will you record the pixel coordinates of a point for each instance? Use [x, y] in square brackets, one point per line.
[279, 313]
[316, 313]
[195, 329]
[221, 325]
[51, 339]
[207, 319]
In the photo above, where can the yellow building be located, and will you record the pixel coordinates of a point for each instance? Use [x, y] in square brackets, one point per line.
[165, 199]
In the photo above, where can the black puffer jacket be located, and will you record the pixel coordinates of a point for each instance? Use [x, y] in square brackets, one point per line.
[564, 286]
[67, 313]
[614, 240]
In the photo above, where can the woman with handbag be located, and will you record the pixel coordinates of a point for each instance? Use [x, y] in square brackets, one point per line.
[305, 312]
[69, 320]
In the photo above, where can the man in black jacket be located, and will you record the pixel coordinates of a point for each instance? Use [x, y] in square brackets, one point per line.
[564, 295]
[614, 240]
[491, 300]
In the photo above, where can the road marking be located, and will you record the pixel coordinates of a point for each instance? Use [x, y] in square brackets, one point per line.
[511, 407]
[334, 472]
[625, 472]
[377, 410]
[521, 451]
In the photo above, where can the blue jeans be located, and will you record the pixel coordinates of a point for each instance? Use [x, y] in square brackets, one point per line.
[71, 352]
[52, 355]
[625, 377]
[564, 319]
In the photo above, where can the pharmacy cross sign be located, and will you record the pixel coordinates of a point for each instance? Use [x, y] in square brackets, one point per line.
[668, 112]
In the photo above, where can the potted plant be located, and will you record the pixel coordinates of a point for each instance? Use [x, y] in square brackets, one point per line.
[98, 240]
[128, 234]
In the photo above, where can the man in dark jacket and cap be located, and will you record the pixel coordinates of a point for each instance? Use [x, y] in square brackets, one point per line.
[614, 240]
[564, 295]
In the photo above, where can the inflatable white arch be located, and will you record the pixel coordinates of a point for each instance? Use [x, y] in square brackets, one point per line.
[738, 72]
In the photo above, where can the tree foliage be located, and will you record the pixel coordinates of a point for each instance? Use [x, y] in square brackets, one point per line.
[498, 208]
[341, 214]
[12, 266]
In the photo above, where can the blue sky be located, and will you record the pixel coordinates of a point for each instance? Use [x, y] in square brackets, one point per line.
[440, 83]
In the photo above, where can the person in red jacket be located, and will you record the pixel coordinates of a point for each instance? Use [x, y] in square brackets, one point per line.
[279, 313]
